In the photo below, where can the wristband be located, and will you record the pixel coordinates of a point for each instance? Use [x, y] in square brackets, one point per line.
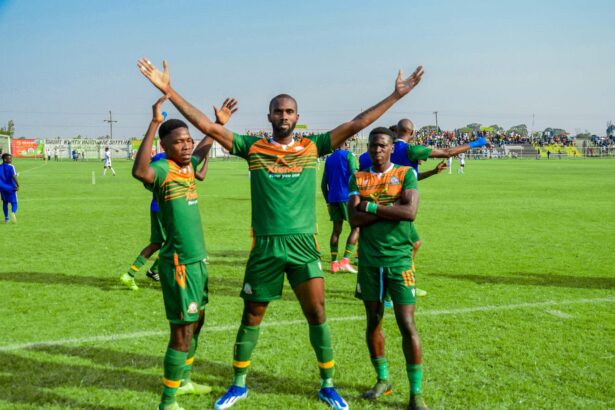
[481, 142]
[371, 208]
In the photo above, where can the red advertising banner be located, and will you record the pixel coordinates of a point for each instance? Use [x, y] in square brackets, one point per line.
[26, 148]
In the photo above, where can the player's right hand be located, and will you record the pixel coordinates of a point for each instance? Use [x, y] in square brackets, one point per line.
[161, 80]
[156, 112]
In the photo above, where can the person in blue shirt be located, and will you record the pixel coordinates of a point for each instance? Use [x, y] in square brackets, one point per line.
[8, 187]
[412, 155]
[339, 166]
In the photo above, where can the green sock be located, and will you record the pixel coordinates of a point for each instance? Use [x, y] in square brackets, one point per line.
[154, 267]
[334, 250]
[381, 365]
[174, 362]
[247, 336]
[349, 251]
[415, 374]
[190, 359]
[136, 265]
[320, 338]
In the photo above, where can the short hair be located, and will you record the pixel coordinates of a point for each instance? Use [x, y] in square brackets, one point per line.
[169, 125]
[393, 128]
[6, 155]
[382, 131]
[280, 96]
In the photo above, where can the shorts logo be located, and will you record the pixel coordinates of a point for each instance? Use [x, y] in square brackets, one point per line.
[320, 266]
[193, 308]
[414, 292]
[247, 289]
[358, 288]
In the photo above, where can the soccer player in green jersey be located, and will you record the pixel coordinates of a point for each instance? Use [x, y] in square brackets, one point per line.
[383, 202]
[283, 180]
[183, 273]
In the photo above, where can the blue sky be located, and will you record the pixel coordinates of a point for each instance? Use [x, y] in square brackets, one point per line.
[65, 64]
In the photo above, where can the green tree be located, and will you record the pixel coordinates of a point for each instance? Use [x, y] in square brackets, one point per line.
[475, 127]
[520, 129]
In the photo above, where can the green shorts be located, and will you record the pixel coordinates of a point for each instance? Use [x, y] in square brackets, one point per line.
[157, 234]
[374, 282]
[184, 290]
[297, 255]
[338, 211]
[414, 235]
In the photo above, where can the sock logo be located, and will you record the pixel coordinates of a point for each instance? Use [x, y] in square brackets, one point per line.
[247, 289]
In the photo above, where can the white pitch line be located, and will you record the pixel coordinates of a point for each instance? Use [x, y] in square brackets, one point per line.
[222, 328]
[559, 313]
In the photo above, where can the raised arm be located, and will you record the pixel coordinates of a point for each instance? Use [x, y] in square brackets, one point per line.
[367, 117]
[454, 151]
[223, 115]
[141, 169]
[162, 81]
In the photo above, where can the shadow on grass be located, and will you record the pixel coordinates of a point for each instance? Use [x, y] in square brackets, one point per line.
[103, 283]
[537, 279]
[32, 380]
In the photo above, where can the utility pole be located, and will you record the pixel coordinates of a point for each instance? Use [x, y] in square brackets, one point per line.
[110, 121]
[436, 114]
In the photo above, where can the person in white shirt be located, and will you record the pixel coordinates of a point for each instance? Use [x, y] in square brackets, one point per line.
[107, 163]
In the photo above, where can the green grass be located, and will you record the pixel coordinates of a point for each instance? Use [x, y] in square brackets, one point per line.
[502, 242]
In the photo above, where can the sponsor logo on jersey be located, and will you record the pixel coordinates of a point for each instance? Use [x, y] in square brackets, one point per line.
[281, 166]
[193, 308]
[247, 289]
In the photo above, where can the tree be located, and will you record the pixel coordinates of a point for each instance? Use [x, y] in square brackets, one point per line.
[429, 129]
[497, 129]
[475, 127]
[9, 130]
[520, 129]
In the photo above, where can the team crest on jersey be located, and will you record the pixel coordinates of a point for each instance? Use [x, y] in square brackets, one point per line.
[247, 289]
[394, 180]
[193, 308]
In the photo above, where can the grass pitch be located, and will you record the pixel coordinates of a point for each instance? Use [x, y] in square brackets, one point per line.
[517, 258]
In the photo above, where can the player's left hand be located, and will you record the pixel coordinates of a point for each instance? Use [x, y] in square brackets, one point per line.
[404, 86]
[226, 111]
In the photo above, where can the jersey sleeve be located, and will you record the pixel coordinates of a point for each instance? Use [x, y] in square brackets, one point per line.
[353, 189]
[352, 162]
[323, 143]
[418, 152]
[160, 173]
[410, 180]
[241, 145]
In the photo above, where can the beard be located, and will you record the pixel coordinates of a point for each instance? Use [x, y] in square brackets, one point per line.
[282, 132]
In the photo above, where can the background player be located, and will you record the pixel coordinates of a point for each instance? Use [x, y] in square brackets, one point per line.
[462, 162]
[183, 273]
[339, 166]
[384, 202]
[283, 177]
[107, 162]
[9, 185]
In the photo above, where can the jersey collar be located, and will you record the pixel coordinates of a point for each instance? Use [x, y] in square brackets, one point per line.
[284, 147]
[371, 170]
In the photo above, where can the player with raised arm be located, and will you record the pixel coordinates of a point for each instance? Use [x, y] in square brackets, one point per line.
[157, 234]
[183, 273]
[383, 202]
[339, 166]
[283, 179]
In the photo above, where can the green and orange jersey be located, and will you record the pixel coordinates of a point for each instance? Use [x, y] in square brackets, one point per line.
[283, 182]
[174, 188]
[384, 243]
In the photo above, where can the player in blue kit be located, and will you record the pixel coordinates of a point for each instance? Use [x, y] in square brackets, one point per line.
[339, 167]
[8, 187]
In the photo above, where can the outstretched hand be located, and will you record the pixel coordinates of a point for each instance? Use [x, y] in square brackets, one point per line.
[440, 167]
[156, 112]
[161, 80]
[226, 111]
[404, 86]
